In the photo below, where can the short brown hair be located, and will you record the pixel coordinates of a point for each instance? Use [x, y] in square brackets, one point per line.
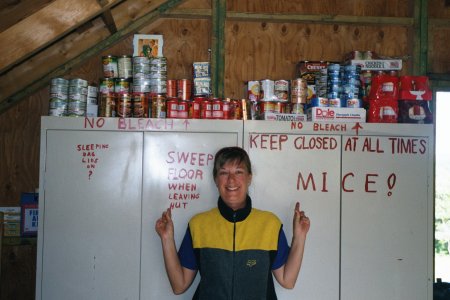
[231, 154]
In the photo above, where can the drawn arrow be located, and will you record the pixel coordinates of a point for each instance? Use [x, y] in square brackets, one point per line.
[186, 124]
[357, 127]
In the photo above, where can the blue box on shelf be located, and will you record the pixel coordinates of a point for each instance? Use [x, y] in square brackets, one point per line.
[30, 214]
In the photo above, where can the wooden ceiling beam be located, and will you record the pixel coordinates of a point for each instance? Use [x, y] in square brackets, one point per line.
[109, 21]
[37, 78]
[44, 27]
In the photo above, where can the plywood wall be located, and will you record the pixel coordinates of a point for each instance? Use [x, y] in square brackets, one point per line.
[253, 50]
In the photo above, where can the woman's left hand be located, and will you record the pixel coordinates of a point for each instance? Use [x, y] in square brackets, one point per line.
[301, 222]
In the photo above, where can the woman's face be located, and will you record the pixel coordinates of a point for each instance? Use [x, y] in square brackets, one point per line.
[232, 181]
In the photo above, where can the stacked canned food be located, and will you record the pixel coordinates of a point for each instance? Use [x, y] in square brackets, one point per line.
[91, 105]
[59, 95]
[78, 89]
[351, 86]
[268, 96]
[299, 94]
[334, 86]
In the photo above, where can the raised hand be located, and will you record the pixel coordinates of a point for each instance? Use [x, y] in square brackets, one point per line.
[301, 222]
[164, 225]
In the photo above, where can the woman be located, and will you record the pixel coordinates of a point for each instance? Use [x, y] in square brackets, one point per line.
[235, 247]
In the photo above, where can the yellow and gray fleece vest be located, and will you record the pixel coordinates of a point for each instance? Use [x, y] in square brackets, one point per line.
[235, 252]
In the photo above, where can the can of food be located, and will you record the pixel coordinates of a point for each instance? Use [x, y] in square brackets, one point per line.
[227, 109]
[297, 108]
[76, 108]
[206, 109]
[57, 107]
[183, 109]
[217, 108]
[279, 107]
[171, 88]
[141, 66]
[78, 82]
[107, 105]
[353, 103]
[124, 65]
[121, 85]
[92, 91]
[195, 107]
[110, 67]
[319, 102]
[59, 81]
[299, 90]
[236, 109]
[336, 102]
[172, 108]
[158, 86]
[253, 90]
[140, 105]
[184, 87]
[266, 107]
[124, 107]
[159, 106]
[107, 85]
[281, 90]
[267, 90]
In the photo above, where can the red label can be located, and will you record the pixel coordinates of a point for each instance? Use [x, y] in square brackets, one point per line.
[184, 87]
[171, 88]
[183, 109]
[195, 108]
[217, 108]
[172, 108]
[206, 109]
[226, 108]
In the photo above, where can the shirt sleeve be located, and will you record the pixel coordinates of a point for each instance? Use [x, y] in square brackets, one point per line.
[282, 252]
[186, 252]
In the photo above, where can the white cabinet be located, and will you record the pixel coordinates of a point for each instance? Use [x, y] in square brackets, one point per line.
[367, 188]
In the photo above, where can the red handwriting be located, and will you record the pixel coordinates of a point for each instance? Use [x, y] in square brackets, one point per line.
[268, 141]
[310, 182]
[94, 122]
[329, 127]
[296, 125]
[190, 158]
[144, 124]
[315, 143]
[89, 157]
[394, 145]
[180, 191]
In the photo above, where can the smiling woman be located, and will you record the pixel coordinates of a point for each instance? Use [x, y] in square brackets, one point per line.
[237, 249]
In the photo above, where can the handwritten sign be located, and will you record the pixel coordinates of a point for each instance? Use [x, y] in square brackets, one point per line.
[90, 155]
[184, 172]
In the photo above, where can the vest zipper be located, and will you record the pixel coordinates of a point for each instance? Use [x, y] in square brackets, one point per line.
[234, 251]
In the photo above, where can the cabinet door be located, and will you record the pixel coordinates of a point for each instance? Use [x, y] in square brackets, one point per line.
[177, 174]
[91, 215]
[386, 217]
[301, 167]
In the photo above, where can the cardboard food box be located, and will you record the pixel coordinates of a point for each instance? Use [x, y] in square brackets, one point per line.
[30, 213]
[377, 64]
[336, 114]
[283, 117]
[11, 221]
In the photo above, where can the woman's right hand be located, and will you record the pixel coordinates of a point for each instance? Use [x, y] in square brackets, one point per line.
[164, 225]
